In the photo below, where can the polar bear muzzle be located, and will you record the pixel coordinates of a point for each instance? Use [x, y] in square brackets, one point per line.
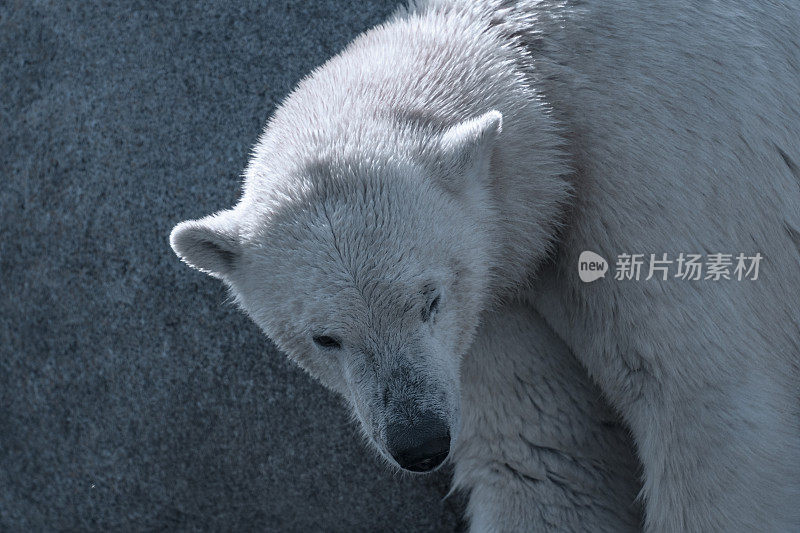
[421, 446]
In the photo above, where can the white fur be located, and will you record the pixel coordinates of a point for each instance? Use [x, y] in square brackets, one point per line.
[539, 449]
[447, 151]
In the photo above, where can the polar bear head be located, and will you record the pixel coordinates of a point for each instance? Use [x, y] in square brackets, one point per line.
[369, 271]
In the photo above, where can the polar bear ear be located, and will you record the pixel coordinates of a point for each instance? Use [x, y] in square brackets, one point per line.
[467, 146]
[210, 244]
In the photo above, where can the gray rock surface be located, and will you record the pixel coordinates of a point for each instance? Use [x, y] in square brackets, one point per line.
[133, 395]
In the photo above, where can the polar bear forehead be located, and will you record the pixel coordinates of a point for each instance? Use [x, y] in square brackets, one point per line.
[350, 244]
[364, 208]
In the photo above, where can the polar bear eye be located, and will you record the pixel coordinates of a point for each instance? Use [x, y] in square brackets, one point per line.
[325, 341]
[431, 309]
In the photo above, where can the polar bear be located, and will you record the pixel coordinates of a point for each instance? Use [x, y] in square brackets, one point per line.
[463, 154]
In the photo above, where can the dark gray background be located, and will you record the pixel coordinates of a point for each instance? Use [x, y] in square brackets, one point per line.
[133, 395]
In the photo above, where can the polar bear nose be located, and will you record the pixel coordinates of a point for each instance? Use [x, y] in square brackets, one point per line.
[419, 447]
